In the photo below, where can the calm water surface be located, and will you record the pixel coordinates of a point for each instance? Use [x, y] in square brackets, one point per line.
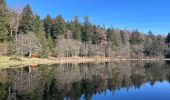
[105, 81]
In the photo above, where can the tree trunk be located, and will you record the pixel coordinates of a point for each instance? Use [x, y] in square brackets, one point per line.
[22, 53]
[30, 47]
[16, 31]
[11, 32]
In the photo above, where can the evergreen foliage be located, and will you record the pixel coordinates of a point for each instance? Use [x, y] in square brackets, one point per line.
[27, 20]
[3, 21]
[73, 38]
[59, 27]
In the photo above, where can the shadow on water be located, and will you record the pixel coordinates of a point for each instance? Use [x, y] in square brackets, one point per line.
[82, 81]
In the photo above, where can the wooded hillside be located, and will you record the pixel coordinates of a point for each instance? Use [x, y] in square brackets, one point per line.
[24, 33]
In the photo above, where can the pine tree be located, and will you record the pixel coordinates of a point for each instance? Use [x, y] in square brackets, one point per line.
[40, 34]
[59, 27]
[111, 38]
[151, 35]
[122, 34]
[95, 39]
[36, 24]
[3, 21]
[48, 22]
[11, 47]
[27, 20]
[135, 38]
[76, 28]
[168, 38]
[87, 30]
[50, 43]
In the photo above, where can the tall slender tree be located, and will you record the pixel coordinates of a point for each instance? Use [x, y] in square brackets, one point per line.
[87, 30]
[48, 22]
[3, 21]
[76, 28]
[111, 38]
[27, 20]
[122, 34]
[40, 34]
[168, 38]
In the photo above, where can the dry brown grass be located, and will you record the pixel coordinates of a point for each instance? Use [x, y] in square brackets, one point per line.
[5, 61]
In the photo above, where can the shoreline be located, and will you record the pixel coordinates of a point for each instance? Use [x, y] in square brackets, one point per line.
[5, 61]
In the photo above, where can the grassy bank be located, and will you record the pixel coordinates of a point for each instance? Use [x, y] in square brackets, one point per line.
[6, 62]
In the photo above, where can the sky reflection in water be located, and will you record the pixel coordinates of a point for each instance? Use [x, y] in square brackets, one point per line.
[105, 81]
[160, 91]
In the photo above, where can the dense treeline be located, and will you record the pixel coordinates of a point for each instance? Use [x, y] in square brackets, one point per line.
[24, 33]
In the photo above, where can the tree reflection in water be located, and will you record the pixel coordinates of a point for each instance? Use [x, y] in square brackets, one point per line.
[72, 82]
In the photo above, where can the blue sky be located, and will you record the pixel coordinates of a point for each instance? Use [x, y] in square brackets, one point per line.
[131, 14]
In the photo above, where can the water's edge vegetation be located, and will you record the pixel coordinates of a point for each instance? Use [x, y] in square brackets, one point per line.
[7, 61]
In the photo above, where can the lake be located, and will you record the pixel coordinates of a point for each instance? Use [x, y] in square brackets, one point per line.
[87, 81]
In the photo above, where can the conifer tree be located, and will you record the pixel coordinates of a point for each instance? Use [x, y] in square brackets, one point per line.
[59, 27]
[122, 34]
[135, 38]
[76, 29]
[87, 30]
[40, 34]
[110, 38]
[27, 20]
[3, 21]
[50, 43]
[48, 22]
[168, 38]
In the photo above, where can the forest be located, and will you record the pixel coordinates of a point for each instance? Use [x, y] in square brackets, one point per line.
[23, 33]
